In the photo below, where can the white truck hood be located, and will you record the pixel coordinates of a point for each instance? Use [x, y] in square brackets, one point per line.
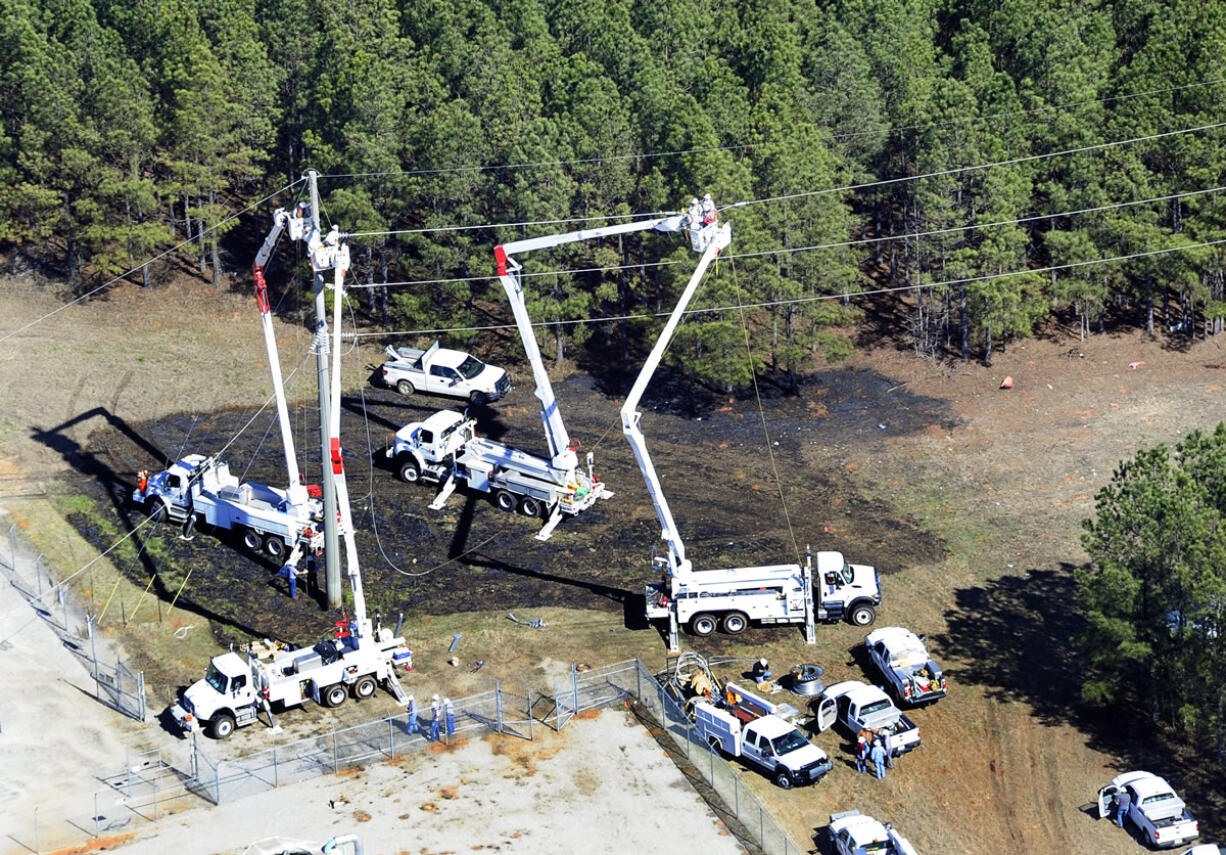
[807, 756]
[488, 379]
[202, 700]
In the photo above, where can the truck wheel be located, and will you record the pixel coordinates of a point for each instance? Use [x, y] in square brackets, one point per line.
[410, 472]
[404, 387]
[702, 625]
[504, 500]
[364, 688]
[476, 399]
[222, 725]
[735, 622]
[530, 507]
[155, 510]
[251, 539]
[782, 779]
[862, 615]
[274, 546]
[334, 695]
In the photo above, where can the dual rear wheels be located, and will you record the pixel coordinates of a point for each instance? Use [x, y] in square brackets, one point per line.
[270, 544]
[527, 505]
[733, 623]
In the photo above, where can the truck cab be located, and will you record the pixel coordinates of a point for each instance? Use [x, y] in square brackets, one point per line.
[858, 706]
[225, 698]
[846, 591]
[425, 449]
[167, 493]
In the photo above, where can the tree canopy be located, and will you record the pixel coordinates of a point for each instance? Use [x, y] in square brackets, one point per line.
[971, 164]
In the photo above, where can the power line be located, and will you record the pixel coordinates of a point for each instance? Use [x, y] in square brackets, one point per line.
[962, 169]
[896, 289]
[816, 247]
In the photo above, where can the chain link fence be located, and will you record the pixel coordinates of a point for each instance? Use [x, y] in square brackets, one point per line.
[148, 783]
[118, 686]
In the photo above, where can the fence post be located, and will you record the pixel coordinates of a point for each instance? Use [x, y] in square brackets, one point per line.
[498, 702]
[574, 684]
[13, 550]
[38, 574]
[276, 780]
[37, 847]
[95, 814]
[638, 678]
[761, 824]
[531, 733]
[335, 763]
[391, 736]
[93, 647]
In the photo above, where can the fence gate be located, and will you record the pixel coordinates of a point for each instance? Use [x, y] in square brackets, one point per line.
[121, 688]
[566, 702]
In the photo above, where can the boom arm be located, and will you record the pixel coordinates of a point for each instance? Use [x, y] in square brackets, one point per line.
[509, 273]
[711, 239]
[297, 493]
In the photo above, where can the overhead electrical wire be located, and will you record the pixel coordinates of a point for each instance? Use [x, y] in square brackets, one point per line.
[815, 247]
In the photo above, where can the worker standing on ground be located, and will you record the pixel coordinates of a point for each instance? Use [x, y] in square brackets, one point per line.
[434, 725]
[413, 725]
[889, 752]
[1123, 800]
[878, 755]
[861, 752]
[449, 715]
[290, 573]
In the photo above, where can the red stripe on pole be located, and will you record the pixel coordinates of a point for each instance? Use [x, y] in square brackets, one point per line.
[500, 256]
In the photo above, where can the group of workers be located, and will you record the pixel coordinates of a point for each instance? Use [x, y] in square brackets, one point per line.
[433, 728]
[874, 746]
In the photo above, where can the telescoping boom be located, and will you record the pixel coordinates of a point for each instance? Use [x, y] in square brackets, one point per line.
[772, 594]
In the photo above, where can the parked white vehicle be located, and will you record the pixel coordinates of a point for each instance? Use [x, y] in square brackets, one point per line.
[858, 706]
[903, 660]
[235, 690]
[1205, 849]
[1154, 810]
[742, 725]
[440, 371]
[199, 489]
[445, 449]
[853, 833]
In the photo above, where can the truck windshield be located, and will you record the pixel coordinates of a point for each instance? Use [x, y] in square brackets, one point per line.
[216, 679]
[470, 367]
[788, 743]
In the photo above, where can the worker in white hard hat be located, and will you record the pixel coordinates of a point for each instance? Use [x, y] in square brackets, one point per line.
[761, 671]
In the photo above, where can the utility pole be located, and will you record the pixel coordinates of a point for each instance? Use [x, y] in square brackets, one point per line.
[331, 544]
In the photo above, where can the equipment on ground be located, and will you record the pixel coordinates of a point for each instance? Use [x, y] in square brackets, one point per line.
[359, 655]
[731, 599]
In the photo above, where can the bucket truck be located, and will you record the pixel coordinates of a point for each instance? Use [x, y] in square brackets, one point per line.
[774, 594]
[445, 448]
[360, 654]
[201, 489]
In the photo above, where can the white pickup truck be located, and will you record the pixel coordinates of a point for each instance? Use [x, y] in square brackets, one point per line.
[853, 833]
[1154, 809]
[439, 371]
[909, 672]
[858, 706]
[747, 727]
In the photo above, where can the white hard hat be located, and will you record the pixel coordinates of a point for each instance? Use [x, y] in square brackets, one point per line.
[434, 697]
[762, 661]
